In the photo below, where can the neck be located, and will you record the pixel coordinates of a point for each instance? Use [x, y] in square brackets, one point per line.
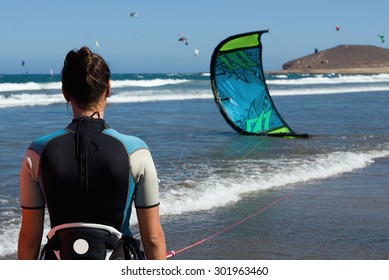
[78, 113]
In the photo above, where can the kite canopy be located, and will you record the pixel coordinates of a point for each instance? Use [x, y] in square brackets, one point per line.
[240, 89]
[196, 52]
[183, 39]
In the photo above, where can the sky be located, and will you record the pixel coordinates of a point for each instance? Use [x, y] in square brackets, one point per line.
[41, 32]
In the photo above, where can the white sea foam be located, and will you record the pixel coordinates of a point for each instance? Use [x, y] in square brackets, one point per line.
[9, 237]
[150, 90]
[9, 240]
[327, 90]
[147, 83]
[332, 79]
[33, 86]
[26, 99]
[281, 80]
[12, 87]
[220, 189]
[149, 96]
[34, 99]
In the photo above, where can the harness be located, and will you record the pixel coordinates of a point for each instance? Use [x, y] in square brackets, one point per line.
[86, 241]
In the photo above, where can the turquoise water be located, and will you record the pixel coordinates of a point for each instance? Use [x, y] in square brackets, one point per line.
[243, 197]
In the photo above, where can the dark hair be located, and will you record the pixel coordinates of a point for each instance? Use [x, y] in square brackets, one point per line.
[85, 77]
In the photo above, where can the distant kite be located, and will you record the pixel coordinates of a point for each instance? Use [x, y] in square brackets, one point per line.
[97, 44]
[23, 63]
[382, 37]
[337, 27]
[184, 40]
[134, 15]
[196, 52]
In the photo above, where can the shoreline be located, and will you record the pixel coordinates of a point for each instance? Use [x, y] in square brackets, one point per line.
[355, 71]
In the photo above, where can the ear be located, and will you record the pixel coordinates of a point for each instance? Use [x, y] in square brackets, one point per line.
[65, 95]
[108, 92]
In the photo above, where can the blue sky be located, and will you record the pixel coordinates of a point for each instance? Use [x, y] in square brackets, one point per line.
[41, 32]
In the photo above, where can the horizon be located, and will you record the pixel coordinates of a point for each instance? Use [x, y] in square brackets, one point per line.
[206, 72]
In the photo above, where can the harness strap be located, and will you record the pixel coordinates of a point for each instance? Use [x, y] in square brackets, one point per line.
[79, 241]
[83, 225]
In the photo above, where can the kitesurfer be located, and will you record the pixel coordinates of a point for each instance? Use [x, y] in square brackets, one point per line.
[89, 176]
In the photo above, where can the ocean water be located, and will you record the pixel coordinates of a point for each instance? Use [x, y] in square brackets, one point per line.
[224, 195]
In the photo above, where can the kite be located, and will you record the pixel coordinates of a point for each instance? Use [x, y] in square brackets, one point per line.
[196, 52]
[184, 40]
[240, 90]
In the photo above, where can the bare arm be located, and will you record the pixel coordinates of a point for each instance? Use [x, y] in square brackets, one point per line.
[30, 235]
[151, 232]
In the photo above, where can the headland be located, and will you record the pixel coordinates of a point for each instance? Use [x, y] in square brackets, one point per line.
[343, 59]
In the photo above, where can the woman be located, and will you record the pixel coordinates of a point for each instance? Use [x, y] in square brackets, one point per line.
[89, 176]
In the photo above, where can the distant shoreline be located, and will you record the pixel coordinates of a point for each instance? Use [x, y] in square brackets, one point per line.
[381, 70]
[343, 59]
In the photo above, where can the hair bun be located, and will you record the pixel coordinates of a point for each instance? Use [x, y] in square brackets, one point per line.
[85, 55]
[85, 76]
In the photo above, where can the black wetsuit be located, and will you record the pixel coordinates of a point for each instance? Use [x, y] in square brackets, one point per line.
[89, 173]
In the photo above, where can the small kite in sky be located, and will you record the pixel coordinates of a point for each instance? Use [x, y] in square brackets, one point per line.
[382, 37]
[184, 40]
[337, 27]
[97, 44]
[196, 52]
[23, 62]
[134, 15]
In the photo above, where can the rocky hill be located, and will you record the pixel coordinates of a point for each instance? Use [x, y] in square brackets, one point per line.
[342, 59]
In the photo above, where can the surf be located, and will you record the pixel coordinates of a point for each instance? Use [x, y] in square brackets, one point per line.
[229, 181]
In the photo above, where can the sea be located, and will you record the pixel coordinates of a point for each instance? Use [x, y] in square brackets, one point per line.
[226, 196]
